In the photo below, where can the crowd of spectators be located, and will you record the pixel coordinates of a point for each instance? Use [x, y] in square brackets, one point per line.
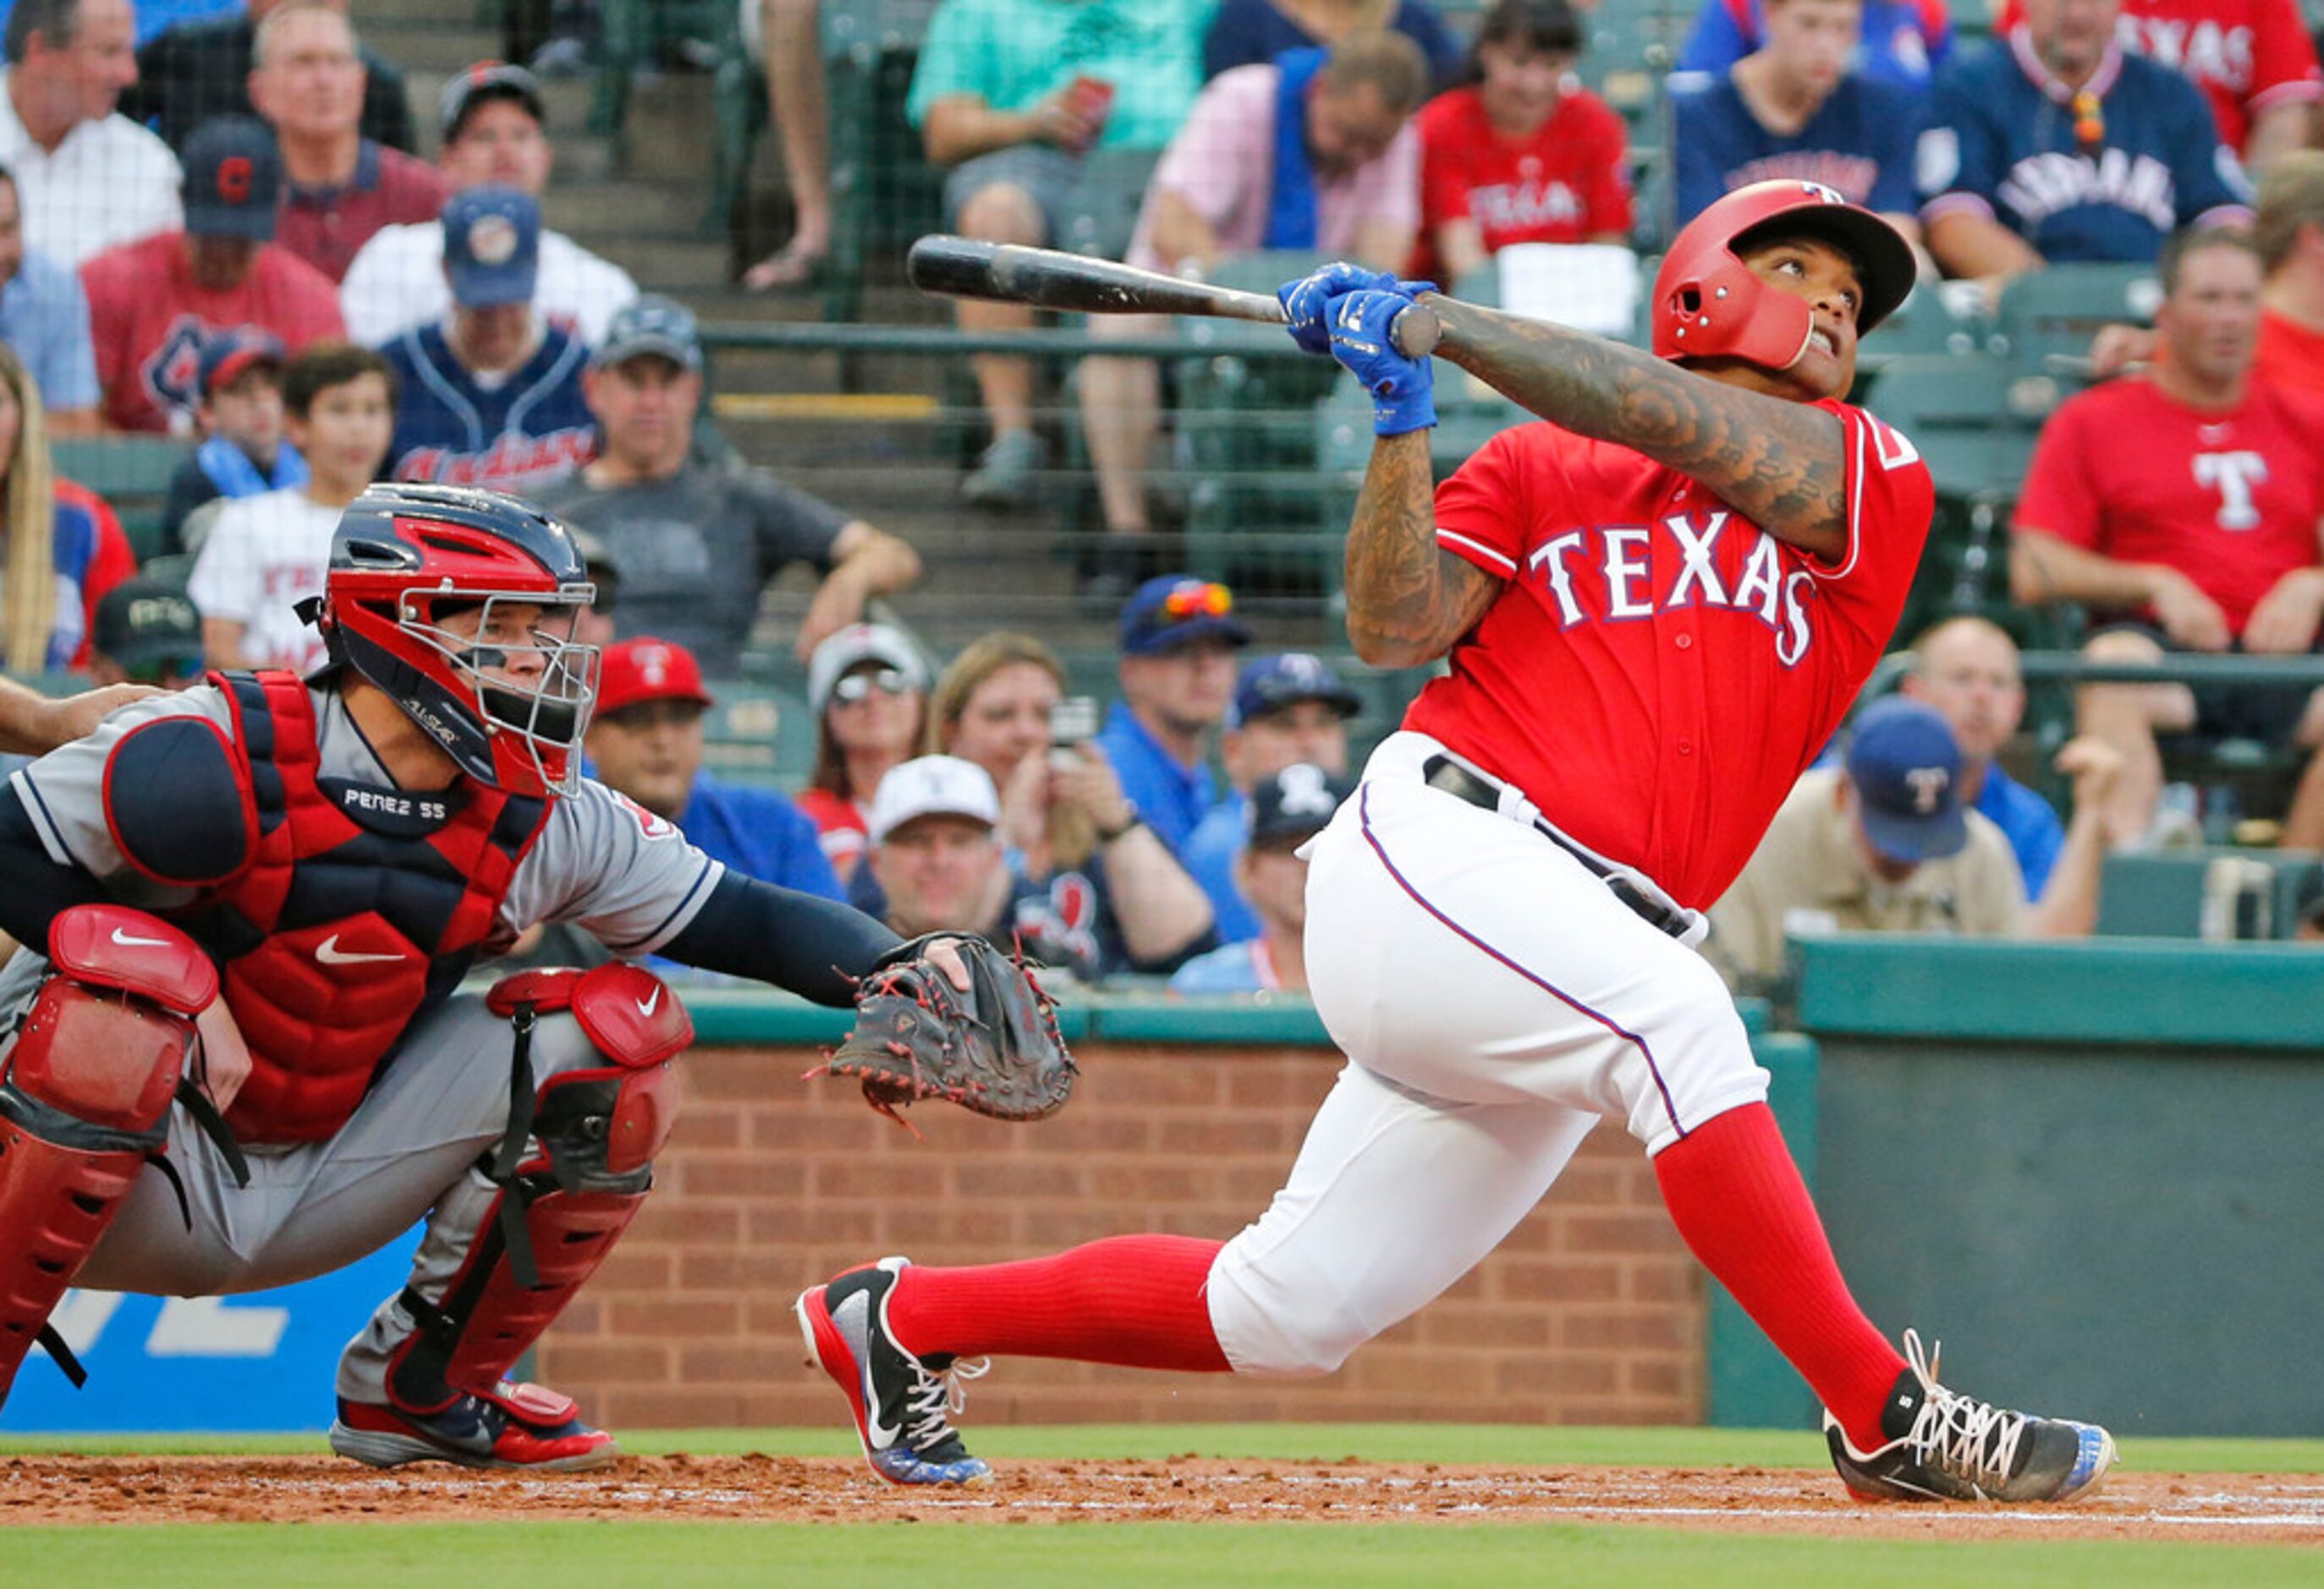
[216, 226]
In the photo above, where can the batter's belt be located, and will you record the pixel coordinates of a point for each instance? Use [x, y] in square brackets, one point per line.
[1665, 915]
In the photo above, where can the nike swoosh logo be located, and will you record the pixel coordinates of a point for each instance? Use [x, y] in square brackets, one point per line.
[329, 953]
[854, 1319]
[127, 940]
[648, 1006]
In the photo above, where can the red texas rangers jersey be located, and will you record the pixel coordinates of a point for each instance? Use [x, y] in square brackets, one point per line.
[2230, 499]
[1658, 670]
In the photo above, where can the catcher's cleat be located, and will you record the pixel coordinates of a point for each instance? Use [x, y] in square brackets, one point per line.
[1943, 1445]
[513, 1426]
[902, 1403]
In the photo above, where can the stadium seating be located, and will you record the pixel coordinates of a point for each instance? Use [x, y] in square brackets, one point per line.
[131, 472]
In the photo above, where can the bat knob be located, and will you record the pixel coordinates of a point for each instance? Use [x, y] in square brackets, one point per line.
[1415, 331]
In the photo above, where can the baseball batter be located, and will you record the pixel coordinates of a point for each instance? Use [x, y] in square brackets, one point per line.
[300, 872]
[1656, 608]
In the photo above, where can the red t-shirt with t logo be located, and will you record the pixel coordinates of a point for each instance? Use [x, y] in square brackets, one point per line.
[2230, 499]
[1658, 670]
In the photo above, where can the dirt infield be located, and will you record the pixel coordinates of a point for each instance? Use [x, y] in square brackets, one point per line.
[2245, 1508]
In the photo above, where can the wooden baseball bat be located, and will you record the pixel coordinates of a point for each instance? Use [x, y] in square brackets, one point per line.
[1049, 278]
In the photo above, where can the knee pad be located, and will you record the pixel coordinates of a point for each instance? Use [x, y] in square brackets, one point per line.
[561, 1208]
[85, 1099]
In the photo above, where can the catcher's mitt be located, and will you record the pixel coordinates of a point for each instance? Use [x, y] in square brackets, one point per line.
[994, 1050]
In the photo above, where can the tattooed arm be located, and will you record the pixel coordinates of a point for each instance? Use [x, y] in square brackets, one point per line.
[1776, 461]
[1407, 600]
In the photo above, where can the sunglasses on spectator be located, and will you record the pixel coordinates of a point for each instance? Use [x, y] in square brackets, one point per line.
[1197, 600]
[858, 686]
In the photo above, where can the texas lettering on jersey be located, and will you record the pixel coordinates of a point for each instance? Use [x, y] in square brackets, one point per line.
[1516, 206]
[1643, 569]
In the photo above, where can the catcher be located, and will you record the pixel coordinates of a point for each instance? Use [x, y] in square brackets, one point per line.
[242, 1061]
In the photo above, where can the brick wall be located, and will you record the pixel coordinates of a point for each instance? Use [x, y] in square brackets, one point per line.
[1590, 1312]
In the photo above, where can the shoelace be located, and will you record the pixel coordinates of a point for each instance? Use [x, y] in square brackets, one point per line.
[1973, 1439]
[935, 1397]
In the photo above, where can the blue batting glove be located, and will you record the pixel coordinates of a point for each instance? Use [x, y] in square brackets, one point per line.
[1304, 300]
[1403, 389]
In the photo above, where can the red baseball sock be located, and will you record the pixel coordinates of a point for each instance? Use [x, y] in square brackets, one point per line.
[1736, 1197]
[1133, 1300]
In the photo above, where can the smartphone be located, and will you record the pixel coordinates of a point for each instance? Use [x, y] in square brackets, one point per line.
[1073, 721]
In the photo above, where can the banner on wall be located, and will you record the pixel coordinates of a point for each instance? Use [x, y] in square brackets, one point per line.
[260, 1360]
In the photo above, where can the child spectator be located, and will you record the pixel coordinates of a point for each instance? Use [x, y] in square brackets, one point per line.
[60, 548]
[244, 451]
[267, 553]
[869, 691]
[1520, 152]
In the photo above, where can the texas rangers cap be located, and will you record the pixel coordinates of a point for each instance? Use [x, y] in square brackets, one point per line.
[233, 179]
[933, 786]
[851, 647]
[644, 670]
[650, 324]
[492, 246]
[1906, 769]
[1295, 805]
[148, 625]
[1176, 608]
[227, 354]
[484, 81]
[1285, 678]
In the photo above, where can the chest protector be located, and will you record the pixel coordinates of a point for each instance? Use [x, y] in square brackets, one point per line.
[338, 932]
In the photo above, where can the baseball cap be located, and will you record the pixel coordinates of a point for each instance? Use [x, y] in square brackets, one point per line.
[1294, 804]
[643, 670]
[1285, 678]
[1906, 769]
[650, 324]
[933, 786]
[228, 354]
[492, 246]
[487, 80]
[145, 624]
[1175, 608]
[858, 643]
[233, 179]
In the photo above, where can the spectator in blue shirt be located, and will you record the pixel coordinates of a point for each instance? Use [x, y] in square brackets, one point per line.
[646, 743]
[1967, 669]
[2053, 145]
[1246, 32]
[44, 317]
[1288, 809]
[1902, 41]
[1289, 706]
[1793, 109]
[1179, 636]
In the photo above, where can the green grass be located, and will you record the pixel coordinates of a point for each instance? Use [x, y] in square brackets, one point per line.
[1514, 1444]
[1077, 1556]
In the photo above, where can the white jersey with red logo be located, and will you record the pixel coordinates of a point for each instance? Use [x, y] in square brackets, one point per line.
[1659, 669]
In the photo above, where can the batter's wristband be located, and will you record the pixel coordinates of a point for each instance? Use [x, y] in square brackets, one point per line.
[1398, 416]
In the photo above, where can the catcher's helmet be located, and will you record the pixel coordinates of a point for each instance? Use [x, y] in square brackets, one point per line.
[1708, 304]
[404, 559]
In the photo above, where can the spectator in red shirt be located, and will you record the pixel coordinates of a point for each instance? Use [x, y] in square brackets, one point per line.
[61, 546]
[2188, 500]
[1521, 153]
[153, 304]
[342, 187]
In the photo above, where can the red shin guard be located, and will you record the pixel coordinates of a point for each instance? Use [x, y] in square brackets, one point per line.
[1738, 1199]
[1137, 1301]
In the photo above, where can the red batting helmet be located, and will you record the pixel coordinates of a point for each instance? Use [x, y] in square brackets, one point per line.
[1708, 304]
[406, 557]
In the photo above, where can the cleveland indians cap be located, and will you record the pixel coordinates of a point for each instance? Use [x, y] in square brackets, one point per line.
[933, 786]
[233, 179]
[227, 354]
[492, 246]
[1905, 765]
[484, 81]
[1285, 678]
[1295, 805]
